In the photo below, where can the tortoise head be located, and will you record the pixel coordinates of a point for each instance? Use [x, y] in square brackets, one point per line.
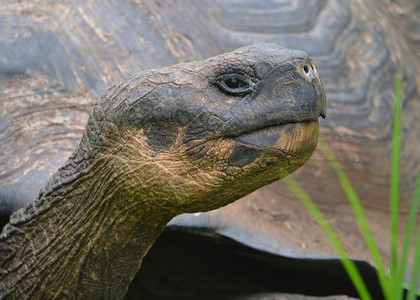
[197, 136]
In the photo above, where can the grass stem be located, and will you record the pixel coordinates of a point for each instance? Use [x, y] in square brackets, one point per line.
[360, 216]
[348, 264]
[413, 290]
[396, 284]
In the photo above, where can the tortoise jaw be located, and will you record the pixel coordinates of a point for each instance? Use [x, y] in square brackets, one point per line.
[285, 139]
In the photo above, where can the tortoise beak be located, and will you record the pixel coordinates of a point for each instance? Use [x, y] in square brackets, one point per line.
[306, 65]
[322, 99]
[320, 91]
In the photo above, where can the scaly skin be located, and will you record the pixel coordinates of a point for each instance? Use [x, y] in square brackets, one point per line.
[158, 144]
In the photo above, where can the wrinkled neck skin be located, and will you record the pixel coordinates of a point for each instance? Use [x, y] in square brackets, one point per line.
[86, 241]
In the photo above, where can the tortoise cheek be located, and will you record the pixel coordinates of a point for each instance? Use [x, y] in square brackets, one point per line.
[161, 137]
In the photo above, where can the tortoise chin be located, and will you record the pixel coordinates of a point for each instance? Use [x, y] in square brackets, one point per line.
[292, 139]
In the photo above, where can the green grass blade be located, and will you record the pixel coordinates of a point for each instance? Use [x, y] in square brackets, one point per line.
[394, 193]
[409, 232]
[348, 264]
[413, 291]
[360, 215]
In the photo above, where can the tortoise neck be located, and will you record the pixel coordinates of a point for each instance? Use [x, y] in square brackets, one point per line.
[82, 237]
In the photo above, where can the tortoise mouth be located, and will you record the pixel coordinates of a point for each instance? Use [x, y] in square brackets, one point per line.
[284, 139]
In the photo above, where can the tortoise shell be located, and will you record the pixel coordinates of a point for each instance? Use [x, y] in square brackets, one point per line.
[56, 59]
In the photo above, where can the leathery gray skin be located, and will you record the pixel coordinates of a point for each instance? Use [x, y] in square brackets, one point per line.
[185, 138]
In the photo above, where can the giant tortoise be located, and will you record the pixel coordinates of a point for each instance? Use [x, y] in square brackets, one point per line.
[56, 58]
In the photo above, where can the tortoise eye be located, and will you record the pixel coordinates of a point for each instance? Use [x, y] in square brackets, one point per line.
[235, 84]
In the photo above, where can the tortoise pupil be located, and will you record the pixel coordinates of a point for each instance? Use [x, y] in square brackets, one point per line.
[235, 83]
